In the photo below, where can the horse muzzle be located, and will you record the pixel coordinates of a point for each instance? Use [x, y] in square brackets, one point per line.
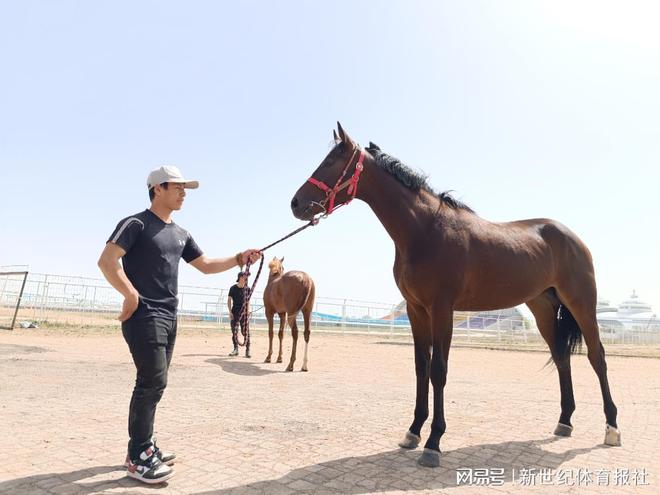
[307, 210]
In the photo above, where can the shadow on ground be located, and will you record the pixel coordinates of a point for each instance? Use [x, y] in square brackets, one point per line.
[385, 471]
[398, 470]
[79, 482]
[242, 366]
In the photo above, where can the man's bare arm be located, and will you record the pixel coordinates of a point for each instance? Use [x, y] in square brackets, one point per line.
[216, 265]
[115, 275]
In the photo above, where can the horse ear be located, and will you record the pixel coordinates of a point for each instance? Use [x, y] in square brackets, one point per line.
[373, 146]
[282, 259]
[344, 137]
[334, 136]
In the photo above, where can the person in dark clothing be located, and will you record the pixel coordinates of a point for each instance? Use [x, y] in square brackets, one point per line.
[150, 246]
[238, 293]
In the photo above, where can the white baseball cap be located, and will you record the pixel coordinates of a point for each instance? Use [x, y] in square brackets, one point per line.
[169, 173]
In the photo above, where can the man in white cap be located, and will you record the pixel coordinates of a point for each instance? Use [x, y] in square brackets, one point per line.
[150, 246]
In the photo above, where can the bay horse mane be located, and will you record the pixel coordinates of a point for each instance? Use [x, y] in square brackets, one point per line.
[415, 181]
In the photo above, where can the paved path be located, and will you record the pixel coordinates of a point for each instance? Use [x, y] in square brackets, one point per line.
[243, 427]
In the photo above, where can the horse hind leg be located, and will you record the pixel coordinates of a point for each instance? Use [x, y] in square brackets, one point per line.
[294, 333]
[306, 334]
[583, 309]
[307, 315]
[544, 308]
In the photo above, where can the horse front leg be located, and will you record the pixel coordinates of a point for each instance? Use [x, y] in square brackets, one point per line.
[280, 335]
[269, 318]
[422, 337]
[442, 326]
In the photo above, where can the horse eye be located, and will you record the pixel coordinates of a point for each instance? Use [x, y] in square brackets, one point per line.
[333, 154]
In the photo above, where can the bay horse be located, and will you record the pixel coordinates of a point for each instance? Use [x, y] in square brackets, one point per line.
[287, 294]
[448, 258]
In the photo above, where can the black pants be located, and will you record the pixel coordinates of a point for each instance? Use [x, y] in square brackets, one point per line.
[151, 341]
[234, 330]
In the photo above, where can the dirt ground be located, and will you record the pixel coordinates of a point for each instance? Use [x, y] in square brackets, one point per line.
[245, 427]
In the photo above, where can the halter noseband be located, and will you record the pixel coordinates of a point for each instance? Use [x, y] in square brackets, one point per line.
[352, 183]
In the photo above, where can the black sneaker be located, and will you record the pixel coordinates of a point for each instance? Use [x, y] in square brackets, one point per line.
[234, 352]
[165, 457]
[149, 468]
[247, 353]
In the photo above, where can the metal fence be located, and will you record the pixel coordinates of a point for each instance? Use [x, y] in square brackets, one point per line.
[52, 300]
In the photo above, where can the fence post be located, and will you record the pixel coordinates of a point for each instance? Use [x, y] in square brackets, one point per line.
[44, 299]
[343, 317]
[392, 320]
[4, 287]
[314, 323]
[94, 300]
[221, 308]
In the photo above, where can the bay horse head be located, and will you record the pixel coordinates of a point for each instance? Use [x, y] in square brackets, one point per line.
[334, 182]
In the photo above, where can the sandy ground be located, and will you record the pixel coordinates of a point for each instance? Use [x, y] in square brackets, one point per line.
[245, 427]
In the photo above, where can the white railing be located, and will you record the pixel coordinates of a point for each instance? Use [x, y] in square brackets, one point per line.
[88, 302]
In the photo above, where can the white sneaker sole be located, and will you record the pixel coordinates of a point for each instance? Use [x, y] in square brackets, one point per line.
[148, 481]
[168, 463]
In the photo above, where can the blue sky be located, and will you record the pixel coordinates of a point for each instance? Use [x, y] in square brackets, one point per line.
[524, 109]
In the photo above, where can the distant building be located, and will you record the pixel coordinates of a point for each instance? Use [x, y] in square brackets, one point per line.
[631, 314]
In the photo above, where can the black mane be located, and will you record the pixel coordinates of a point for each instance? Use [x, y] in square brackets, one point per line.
[411, 179]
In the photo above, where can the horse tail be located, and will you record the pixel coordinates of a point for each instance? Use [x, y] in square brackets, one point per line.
[568, 337]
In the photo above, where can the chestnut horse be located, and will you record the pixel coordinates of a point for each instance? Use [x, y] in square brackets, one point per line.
[287, 294]
[448, 258]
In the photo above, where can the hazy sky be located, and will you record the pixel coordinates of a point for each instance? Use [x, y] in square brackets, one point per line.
[524, 109]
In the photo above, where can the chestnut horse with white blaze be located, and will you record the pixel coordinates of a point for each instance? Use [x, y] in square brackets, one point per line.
[448, 258]
[287, 294]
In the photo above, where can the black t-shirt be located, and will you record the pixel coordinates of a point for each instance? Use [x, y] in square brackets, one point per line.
[238, 298]
[153, 250]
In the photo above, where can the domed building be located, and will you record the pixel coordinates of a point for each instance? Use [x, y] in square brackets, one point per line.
[631, 314]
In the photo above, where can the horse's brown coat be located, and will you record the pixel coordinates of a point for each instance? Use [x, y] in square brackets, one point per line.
[287, 294]
[448, 258]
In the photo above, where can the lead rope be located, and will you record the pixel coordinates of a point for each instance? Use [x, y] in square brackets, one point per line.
[244, 318]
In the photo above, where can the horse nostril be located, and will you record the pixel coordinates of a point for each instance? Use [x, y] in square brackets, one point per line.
[294, 202]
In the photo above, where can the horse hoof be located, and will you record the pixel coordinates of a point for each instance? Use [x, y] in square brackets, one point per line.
[267, 360]
[304, 368]
[289, 368]
[279, 360]
[563, 430]
[612, 436]
[429, 458]
[410, 441]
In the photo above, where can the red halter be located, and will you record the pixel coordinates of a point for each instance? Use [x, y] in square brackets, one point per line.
[351, 183]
